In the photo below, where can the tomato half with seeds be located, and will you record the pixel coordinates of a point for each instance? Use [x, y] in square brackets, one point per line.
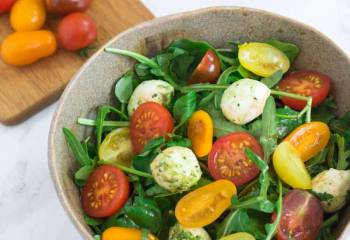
[208, 70]
[150, 120]
[305, 83]
[105, 192]
[302, 216]
[227, 159]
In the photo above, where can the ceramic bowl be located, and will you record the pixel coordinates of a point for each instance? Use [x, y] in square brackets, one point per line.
[93, 83]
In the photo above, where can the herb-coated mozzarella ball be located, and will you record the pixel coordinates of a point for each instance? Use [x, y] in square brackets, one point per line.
[244, 100]
[334, 182]
[176, 169]
[150, 91]
[178, 232]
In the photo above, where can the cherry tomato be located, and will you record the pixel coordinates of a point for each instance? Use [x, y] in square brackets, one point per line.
[76, 31]
[309, 139]
[262, 58]
[205, 204]
[105, 192]
[302, 216]
[64, 7]
[28, 15]
[238, 236]
[305, 83]
[208, 70]
[5, 5]
[150, 120]
[122, 233]
[289, 166]
[227, 158]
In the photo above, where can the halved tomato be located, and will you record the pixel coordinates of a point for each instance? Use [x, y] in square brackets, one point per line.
[105, 192]
[150, 120]
[208, 70]
[302, 216]
[227, 159]
[305, 83]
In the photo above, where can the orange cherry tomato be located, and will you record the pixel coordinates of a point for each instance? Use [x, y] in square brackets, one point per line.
[200, 132]
[28, 15]
[309, 139]
[23, 48]
[105, 192]
[122, 233]
[205, 204]
[208, 70]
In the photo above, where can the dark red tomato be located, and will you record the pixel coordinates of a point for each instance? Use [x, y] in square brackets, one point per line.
[105, 192]
[208, 70]
[5, 5]
[76, 31]
[227, 159]
[302, 216]
[150, 120]
[305, 83]
[64, 7]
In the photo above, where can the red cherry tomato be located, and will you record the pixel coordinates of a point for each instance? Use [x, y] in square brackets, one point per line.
[227, 159]
[302, 216]
[64, 7]
[76, 31]
[208, 70]
[306, 83]
[5, 5]
[105, 192]
[150, 120]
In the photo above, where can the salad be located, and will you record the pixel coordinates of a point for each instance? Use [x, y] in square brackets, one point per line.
[215, 143]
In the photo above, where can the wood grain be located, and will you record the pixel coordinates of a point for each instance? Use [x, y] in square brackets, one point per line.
[26, 90]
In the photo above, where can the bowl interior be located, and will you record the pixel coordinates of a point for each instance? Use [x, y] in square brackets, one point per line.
[93, 84]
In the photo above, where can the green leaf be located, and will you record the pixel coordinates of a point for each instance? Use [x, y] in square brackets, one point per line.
[177, 140]
[255, 128]
[272, 80]
[341, 125]
[271, 228]
[325, 112]
[78, 151]
[343, 154]
[84, 172]
[246, 74]
[290, 49]
[184, 108]
[124, 87]
[286, 121]
[138, 57]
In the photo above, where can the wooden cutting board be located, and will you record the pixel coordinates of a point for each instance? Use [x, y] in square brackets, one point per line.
[26, 90]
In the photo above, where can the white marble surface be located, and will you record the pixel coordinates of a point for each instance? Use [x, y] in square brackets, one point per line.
[29, 208]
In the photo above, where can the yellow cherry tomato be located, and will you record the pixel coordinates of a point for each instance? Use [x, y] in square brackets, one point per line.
[28, 15]
[200, 132]
[289, 166]
[121, 233]
[238, 236]
[117, 147]
[262, 58]
[309, 139]
[205, 204]
[23, 48]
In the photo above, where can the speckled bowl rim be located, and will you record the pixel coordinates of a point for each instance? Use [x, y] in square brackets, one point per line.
[51, 151]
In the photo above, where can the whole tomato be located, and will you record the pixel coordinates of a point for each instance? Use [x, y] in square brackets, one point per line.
[76, 31]
[64, 7]
[5, 5]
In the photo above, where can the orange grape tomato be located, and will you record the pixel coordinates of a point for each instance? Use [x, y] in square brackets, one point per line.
[204, 205]
[200, 132]
[28, 15]
[122, 233]
[309, 139]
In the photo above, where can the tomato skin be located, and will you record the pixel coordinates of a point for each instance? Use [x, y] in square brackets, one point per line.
[307, 83]
[5, 5]
[204, 205]
[122, 233]
[208, 70]
[28, 15]
[302, 216]
[150, 120]
[76, 31]
[64, 7]
[309, 139]
[105, 192]
[229, 150]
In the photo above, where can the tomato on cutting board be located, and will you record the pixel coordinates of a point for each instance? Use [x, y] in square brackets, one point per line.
[150, 120]
[5, 5]
[302, 216]
[305, 83]
[105, 192]
[227, 159]
[64, 7]
[208, 70]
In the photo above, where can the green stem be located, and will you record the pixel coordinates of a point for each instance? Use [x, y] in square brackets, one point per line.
[330, 221]
[226, 59]
[248, 203]
[203, 87]
[134, 55]
[92, 123]
[275, 224]
[126, 169]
